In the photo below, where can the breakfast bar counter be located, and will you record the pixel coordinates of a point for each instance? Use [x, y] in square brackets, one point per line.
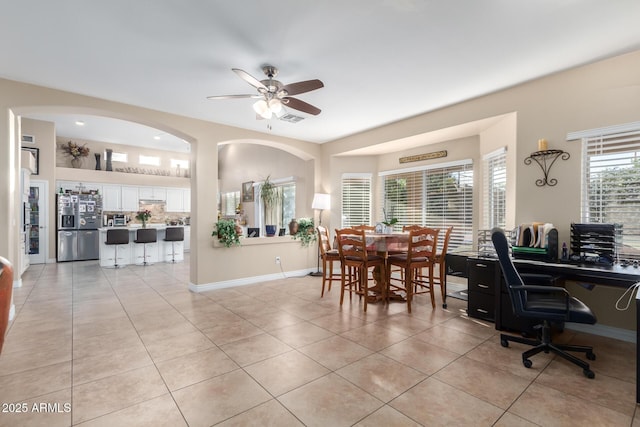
[134, 253]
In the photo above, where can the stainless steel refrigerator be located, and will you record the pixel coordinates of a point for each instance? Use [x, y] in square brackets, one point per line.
[79, 216]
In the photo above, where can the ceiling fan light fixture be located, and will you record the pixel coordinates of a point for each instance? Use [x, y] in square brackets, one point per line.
[262, 109]
[275, 105]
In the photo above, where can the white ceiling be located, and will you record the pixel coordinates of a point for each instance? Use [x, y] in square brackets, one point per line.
[380, 60]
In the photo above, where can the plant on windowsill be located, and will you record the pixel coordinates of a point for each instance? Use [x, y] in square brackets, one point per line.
[306, 231]
[226, 232]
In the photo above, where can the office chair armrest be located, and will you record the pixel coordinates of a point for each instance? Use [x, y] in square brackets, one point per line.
[541, 289]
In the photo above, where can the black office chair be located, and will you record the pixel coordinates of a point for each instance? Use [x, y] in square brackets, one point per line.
[144, 236]
[174, 234]
[117, 236]
[544, 303]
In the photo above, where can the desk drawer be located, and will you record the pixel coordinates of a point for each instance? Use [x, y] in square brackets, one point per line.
[481, 276]
[481, 306]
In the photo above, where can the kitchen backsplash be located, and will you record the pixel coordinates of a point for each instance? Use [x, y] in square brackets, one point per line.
[158, 214]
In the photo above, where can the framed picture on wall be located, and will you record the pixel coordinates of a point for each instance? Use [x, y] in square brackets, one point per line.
[247, 191]
[36, 154]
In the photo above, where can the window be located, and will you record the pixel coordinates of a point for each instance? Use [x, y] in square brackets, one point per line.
[285, 207]
[436, 196]
[117, 157]
[229, 202]
[149, 160]
[356, 199]
[611, 184]
[494, 187]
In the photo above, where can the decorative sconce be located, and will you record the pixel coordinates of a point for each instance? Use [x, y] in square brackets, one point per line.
[545, 158]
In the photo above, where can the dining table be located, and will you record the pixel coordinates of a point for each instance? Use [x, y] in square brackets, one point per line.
[384, 244]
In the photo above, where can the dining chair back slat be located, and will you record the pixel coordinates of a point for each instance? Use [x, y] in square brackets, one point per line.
[420, 254]
[355, 261]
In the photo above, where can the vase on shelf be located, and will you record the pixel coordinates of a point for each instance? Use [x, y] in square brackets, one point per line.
[97, 161]
[109, 152]
[76, 162]
[144, 224]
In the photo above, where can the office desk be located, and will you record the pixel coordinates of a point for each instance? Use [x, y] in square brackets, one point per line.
[616, 276]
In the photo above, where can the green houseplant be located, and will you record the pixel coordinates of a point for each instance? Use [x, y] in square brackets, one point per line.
[306, 231]
[269, 196]
[226, 232]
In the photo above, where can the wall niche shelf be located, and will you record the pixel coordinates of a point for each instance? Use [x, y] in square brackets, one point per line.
[545, 159]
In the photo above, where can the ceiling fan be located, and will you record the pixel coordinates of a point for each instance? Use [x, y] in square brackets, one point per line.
[273, 95]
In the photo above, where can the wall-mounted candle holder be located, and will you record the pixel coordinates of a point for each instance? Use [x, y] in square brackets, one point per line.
[545, 159]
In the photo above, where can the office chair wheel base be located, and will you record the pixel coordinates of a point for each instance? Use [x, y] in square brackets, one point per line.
[591, 356]
[504, 343]
[589, 373]
[527, 363]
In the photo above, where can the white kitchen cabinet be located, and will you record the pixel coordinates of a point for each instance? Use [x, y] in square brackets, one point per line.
[112, 198]
[175, 200]
[187, 200]
[130, 200]
[187, 238]
[152, 193]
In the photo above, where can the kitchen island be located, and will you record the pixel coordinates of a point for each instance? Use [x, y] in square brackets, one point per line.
[133, 253]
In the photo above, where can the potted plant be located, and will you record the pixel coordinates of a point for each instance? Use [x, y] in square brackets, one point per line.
[389, 222]
[144, 216]
[226, 232]
[306, 231]
[269, 196]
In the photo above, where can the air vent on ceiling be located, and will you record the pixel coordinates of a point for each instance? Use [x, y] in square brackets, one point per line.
[291, 118]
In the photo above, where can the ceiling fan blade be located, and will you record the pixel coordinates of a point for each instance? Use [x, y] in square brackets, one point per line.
[299, 105]
[302, 87]
[250, 79]
[233, 96]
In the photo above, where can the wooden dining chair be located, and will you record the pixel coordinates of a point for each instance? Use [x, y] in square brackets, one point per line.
[441, 259]
[420, 254]
[329, 256]
[366, 228]
[355, 263]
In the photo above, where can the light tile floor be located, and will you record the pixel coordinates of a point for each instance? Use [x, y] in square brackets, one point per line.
[134, 346]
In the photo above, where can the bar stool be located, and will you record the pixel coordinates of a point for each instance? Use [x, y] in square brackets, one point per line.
[174, 234]
[144, 236]
[118, 236]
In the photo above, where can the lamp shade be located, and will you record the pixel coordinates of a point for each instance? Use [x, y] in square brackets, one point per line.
[321, 201]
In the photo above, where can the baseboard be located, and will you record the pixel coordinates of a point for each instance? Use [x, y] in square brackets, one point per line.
[247, 280]
[52, 261]
[604, 330]
[17, 283]
[12, 312]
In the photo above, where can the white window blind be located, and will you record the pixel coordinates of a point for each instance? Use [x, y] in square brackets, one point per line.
[230, 202]
[611, 185]
[438, 196]
[494, 187]
[356, 199]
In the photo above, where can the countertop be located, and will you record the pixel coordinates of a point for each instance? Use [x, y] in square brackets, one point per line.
[139, 226]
